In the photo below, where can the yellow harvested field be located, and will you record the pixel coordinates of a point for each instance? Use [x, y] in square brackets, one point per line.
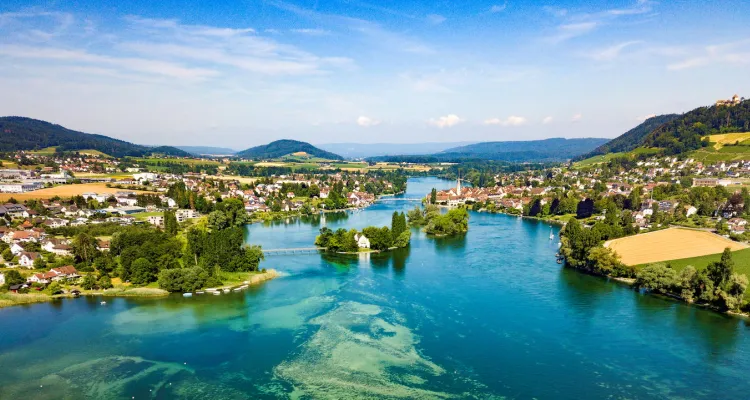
[271, 164]
[64, 191]
[670, 244]
[727, 138]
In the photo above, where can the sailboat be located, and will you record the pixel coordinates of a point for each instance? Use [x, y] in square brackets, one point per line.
[551, 235]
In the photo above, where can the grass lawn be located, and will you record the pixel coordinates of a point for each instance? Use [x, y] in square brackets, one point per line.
[187, 161]
[144, 215]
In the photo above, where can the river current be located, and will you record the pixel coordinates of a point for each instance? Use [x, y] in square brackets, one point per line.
[489, 315]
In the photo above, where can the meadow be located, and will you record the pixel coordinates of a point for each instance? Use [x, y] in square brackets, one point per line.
[64, 191]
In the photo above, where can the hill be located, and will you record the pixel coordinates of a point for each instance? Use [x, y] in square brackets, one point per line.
[170, 151]
[689, 131]
[555, 149]
[364, 150]
[20, 133]
[208, 150]
[632, 138]
[281, 148]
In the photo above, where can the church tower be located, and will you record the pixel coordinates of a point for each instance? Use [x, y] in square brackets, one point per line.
[458, 186]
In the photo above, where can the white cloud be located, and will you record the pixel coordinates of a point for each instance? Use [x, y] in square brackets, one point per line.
[547, 120]
[446, 121]
[576, 118]
[498, 8]
[612, 52]
[367, 122]
[436, 19]
[572, 30]
[510, 121]
[312, 31]
[733, 53]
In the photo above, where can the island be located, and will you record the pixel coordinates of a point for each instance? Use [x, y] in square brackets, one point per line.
[369, 239]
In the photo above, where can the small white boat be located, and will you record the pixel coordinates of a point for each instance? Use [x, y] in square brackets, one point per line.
[237, 289]
[227, 290]
[199, 292]
[551, 235]
[187, 295]
[103, 303]
[216, 293]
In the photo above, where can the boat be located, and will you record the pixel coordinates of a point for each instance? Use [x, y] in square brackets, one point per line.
[103, 303]
[199, 292]
[216, 293]
[551, 235]
[227, 290]
[237, 289]
[187, 295]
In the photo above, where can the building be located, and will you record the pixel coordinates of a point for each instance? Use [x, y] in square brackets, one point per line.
[156, 220]
[184, 215]
[26, 259]
[14, 210]
[362, 241]
[731, 102]
[20, 187]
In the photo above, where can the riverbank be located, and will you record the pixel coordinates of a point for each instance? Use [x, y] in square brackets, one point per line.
[10, 299]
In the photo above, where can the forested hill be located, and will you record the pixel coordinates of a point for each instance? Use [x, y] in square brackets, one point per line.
[281, 148]
[170, 151]
[684, 133]
[633, 138]
[20, 133]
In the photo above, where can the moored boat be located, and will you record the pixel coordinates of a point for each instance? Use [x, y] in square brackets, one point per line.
[187, 295]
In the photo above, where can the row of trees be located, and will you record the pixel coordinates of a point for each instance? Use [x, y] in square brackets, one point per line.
[717, 285]
[455, 221]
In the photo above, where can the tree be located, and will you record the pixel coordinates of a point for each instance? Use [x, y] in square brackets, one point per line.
[604, 260]
[89, 282]
[535, 208]
[170, 223]
[13, 277]
[585, 209]
[54, 288]
[104, 282]
[217, 220]
[39, 263]
[143, 271]
[719, 272]
[7, 255]
[658, 278]
[84, 247]
[433, 196]
[734, 290]
[403, 239]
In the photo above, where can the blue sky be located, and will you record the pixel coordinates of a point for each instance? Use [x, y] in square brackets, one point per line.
[241, 73]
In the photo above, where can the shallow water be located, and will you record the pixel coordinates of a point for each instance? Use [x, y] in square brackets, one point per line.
[488, 315]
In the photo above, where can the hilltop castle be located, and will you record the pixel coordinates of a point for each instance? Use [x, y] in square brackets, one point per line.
[731, 102]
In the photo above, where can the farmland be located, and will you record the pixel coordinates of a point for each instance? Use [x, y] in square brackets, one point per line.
[670, 244]
[62, 191]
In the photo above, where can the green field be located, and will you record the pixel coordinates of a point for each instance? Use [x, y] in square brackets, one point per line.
[144, 215]
[186, 161]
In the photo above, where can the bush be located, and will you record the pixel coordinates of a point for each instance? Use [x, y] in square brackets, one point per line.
[183, 279]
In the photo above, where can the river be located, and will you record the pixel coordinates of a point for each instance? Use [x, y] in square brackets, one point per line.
[490, 315]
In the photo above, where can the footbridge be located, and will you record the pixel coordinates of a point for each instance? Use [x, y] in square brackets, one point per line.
[291, 251]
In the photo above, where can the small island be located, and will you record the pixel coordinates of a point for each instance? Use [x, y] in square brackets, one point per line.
[454, 222]
[369, 239]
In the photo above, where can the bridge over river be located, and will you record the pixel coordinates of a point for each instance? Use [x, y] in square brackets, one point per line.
[289, 251]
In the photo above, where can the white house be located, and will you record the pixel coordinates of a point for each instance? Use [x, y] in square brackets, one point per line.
[156, 220]
[362, 241]
[184, 215]
[26, 259]
[16, 249]
[56, 247]
[690, 210]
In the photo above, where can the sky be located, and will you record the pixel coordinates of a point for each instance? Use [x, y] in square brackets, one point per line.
[237, 73]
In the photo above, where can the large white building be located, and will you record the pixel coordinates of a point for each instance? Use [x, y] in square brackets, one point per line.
[20, 187]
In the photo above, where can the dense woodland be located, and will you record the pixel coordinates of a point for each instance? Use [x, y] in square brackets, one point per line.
[632, 138]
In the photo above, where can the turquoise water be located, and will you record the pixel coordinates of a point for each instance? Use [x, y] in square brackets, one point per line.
[487, 316]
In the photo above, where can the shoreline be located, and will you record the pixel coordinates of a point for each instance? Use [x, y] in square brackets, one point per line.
[17, 299]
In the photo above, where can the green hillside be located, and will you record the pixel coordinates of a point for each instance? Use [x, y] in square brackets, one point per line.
[281, 148]
[687, 132]
[632, 138]
[20, 133]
